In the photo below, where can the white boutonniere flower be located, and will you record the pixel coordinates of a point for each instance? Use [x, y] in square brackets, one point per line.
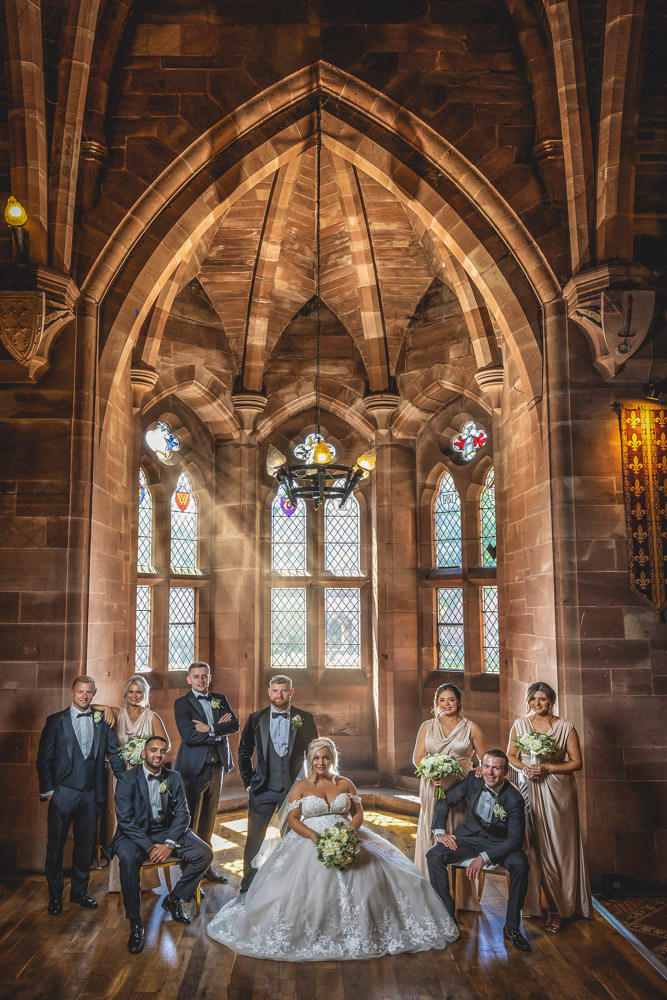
[164, 787]
[215, 703]
[97, 717]
[296, 722]
[499, 811]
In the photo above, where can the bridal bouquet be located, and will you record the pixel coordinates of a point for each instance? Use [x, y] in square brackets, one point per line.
[131, 751]
[536, 745]
[337, 847]
[437, 766]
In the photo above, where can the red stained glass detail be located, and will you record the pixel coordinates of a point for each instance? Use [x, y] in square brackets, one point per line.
[182, 499]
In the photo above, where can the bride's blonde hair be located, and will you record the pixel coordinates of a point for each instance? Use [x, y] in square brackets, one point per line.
[316, 745]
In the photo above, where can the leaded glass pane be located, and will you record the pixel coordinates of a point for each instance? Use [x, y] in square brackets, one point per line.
[288, 627]
[342, 622]
[447, 513]
[181, 627]
[142, 644]
[183, 527]
[487, 512]
[288, 536]
[145, 534]
[491, 635]
[451, 650]
[341, 537]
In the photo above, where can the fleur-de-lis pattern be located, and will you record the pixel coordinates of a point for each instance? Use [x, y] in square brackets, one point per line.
[644, 454]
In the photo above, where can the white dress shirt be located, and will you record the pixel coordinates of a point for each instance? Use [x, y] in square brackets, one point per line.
[153, 782]
[84, 728]
[279, 730]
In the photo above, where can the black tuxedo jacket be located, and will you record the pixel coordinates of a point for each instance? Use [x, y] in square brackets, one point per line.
[196, 747]
[56, 747]
[133, 809]
[255, 740]
[500, 837]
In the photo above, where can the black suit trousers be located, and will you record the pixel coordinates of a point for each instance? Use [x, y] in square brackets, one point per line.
[261, 808]
[78, 809]
[195, 857]
[202, 792]
[439, 857]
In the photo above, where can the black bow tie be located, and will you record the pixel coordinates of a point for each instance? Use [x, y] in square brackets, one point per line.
[204, 697]
[155, 777]
[84, 715]
[279, 715]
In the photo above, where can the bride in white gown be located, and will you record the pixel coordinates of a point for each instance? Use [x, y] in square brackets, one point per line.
[297, 910]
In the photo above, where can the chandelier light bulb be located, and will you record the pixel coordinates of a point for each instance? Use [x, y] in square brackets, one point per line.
[15, 213]
[367, 460]
[321, 453]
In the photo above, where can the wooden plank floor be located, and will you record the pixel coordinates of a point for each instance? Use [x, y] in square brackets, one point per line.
[83, 955]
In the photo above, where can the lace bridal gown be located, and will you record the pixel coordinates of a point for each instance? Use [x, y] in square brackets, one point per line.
[297, 910]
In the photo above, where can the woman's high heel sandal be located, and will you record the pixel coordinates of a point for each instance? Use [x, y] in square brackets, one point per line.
[553, 924]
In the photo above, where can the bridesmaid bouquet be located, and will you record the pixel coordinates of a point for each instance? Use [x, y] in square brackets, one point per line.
[131, 751]
[536, 745]
[337, 847]
[436, 766]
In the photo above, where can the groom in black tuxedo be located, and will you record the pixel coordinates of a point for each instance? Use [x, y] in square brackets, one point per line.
[278, 736]
[205, 721]
[493, 833]
[70, 765]
[153, 825]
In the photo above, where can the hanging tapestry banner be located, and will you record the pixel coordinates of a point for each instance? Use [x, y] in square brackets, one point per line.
[644, 453]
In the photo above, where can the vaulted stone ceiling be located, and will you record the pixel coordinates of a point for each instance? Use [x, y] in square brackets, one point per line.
[252, 289]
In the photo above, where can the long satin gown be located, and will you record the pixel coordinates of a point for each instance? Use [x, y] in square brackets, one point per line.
[459, 745]
[125, 729]
[554, 844]
[298, 910]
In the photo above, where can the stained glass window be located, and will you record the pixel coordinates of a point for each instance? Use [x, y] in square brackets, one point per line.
[447, 513]
[142, 646]
[487, 513]
[183, 527]
[181, 627]
[468, 442]
[451, 655]
[288, 536]
[491, 640]
[162, 441]
[288, 627]
[145, 534]
[342, 622]
[341, 537]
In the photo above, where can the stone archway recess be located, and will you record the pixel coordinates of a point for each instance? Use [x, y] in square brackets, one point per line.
[493, 276]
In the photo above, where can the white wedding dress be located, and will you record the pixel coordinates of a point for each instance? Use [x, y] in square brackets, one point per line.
[297, 910]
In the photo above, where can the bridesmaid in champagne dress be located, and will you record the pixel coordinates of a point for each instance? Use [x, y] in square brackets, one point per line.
[135, 718]
[449, 732]
[554, 809]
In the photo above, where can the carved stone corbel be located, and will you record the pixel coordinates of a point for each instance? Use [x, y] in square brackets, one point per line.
[614, 307]
[490, 381]
[30, 321]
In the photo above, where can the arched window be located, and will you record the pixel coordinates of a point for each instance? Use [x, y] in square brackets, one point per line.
[487, 514]
[341, 537]
[145, 534]
[288, 536]
[183, 527]
[447, 524]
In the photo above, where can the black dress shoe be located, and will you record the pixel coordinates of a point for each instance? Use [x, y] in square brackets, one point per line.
[175, 907]
[135, 942]
[55, 907]
[516, 938]
[83, 899]
[213, 876]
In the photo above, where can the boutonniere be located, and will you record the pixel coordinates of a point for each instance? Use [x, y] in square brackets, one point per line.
[97, 717]
[215, 703]
[296, 722]
[499, 811]
[164, 787]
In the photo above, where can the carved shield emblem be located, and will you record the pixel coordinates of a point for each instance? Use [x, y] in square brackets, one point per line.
[626, 317]
[21, 323]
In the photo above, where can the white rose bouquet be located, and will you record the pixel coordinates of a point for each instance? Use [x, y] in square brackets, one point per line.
[437, 766]
[536, 745]
[131, 751]
[337, 847]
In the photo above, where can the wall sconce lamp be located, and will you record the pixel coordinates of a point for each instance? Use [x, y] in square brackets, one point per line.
[16, 218]
[654, 390]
